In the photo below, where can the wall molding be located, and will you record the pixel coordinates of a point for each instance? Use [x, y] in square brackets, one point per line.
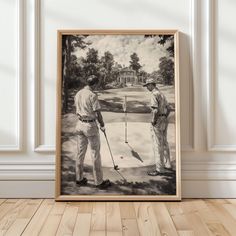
[194, 69]
[45, 189]
[210, 73]
[50, 149]
[212, 76]
[38, 146]
[45, 170]
[199, 179]
[27, 170]
[20, 78]
[43, 148]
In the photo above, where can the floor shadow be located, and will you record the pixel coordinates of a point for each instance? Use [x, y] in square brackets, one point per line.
[134, 153]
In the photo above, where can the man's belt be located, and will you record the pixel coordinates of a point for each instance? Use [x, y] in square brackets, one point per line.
[162, 115]
[85, 120]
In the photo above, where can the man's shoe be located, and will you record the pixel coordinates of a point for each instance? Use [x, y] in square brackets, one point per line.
[82, 182]
[153, 173]
[162, 172]
[105, 184]
[168, 169]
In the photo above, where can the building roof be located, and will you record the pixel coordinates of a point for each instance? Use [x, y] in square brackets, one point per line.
[127, 69]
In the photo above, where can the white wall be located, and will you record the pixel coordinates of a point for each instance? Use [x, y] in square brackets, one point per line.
[28, 86]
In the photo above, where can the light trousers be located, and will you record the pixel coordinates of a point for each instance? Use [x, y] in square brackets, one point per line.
[160, 144]
[88, 135]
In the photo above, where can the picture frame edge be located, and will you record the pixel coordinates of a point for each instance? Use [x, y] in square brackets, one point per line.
[156, 198]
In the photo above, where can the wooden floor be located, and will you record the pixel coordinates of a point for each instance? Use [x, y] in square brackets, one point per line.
[45, 217]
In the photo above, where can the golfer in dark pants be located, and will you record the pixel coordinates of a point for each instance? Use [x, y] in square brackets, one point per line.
[88, 111]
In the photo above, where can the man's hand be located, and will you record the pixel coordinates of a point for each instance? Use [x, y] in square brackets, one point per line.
[153, 123]
[103, 129]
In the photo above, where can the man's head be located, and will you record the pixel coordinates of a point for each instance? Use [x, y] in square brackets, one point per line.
[92, 81]
[150, 84]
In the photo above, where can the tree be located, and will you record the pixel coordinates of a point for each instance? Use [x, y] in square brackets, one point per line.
[134, 62]
[155, 74]
[107, 62]
[166, 71]
[164, 39]
[69, 44]
[76, 79]
[115, 71]
[91, 63]
[143, 75]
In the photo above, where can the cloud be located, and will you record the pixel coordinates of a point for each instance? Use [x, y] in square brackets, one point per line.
[122, 46]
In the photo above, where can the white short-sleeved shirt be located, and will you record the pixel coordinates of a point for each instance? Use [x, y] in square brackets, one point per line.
[86, 103]
[158, 101]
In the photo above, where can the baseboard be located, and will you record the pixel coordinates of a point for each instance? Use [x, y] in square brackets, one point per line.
[37, 180]
[190, 189]
[27, 189]
[209, 189]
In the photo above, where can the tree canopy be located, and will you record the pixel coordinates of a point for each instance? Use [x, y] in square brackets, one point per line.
[166, 71]
[134, 62]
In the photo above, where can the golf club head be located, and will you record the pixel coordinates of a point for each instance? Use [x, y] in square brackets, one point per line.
[116, 167]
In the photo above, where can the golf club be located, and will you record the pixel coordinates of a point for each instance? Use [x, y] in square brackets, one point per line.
[116, 167]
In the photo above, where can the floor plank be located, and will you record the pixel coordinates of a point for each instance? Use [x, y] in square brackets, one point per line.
[127, 210]
[12, 215]
[2, 201]
[85, 207]
[82, 225]
[164, 220]
[218, 229]
[68, 220]
[185, 233]
[130, 227]
[113, 219]
[147, 223]
[98, 221]
[24, 218]
[191, 217]
[232, 201]
[223, 215]
[231, 209]
[37, 222]
[53, 219]
[210, 219]
[8, 205]
[194, 219]
[178, 217]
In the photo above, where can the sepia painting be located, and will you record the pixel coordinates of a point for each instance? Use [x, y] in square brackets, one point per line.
[118, 134]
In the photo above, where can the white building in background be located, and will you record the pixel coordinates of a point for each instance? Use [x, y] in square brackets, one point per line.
[129, 77]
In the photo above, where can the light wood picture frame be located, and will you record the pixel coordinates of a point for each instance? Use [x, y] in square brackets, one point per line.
[118, 116]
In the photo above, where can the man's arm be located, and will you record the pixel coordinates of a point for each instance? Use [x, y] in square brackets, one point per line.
[154, 116]
[100, 118]
[96, 109]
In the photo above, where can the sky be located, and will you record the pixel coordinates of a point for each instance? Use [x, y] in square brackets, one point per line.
[122, 46]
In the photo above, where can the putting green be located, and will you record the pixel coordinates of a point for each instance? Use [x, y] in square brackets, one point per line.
[137, 152]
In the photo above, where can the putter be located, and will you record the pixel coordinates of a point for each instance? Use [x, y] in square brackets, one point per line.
[116, 167]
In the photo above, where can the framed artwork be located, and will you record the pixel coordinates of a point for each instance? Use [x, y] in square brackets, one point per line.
[118, 118]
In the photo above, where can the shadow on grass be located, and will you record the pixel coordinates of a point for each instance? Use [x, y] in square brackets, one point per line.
[134, 153]
[162, 185]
